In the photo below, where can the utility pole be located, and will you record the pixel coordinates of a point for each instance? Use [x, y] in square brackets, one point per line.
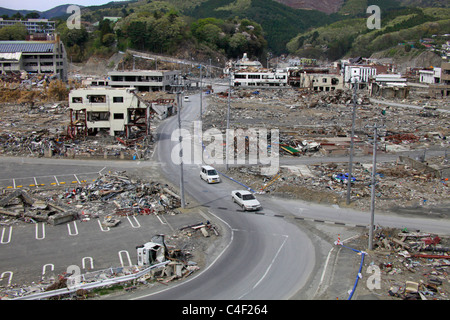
[228, 121]
[180, 139]
[374, 171]
[201, 93]
[350, 162]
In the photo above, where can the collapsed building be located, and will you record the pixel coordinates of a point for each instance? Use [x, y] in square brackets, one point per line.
[118, 111]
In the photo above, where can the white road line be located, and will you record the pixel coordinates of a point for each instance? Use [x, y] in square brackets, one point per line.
[37, 231]
[128, 256]
[101, 227]
[75, 227]
[57, 182]
[270, 265]
[76, 178]
[137, 225]
[35, 182]
[45, 267]
[3, 235]
[14, 183]
[83, 264]
[10, 276]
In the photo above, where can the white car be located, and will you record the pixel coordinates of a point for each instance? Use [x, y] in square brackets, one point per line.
[245, 199]
[209, 174]
[186, 99]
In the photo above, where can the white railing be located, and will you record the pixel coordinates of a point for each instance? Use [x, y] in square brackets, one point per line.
[90, 285]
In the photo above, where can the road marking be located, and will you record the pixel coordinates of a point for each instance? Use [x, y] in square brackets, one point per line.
[75, 227]
[137, 225]
[37, 231]
[14, 183]
[270, 265]
[87, 258]
[101, 227]
[77, 178]
[128, 256]
[10, 276]
[3, 235]
[45, 267]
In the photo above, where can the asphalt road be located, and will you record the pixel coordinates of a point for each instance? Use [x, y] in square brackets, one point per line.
[265, 257]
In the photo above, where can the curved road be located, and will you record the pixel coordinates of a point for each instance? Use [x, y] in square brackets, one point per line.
[265, 257]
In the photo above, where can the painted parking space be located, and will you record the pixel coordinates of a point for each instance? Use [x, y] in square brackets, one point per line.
[49, 181]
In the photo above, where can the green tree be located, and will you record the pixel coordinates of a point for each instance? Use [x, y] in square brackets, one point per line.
[14, 32]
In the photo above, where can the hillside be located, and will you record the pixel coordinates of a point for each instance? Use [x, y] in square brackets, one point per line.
[279, 22]
[352, 37]
[48, 14]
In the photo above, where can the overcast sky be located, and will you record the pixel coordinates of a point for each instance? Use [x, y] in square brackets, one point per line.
[44, 5]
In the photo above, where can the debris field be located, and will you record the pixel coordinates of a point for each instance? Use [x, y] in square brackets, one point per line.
[413, 265]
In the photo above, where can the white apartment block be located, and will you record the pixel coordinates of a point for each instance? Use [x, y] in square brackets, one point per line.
[360, 72]
[33, 25]
[430, 76]
[260, 78]
[144, 80]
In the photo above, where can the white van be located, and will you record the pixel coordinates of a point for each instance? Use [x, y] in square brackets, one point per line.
[209, 174]
[186, 99]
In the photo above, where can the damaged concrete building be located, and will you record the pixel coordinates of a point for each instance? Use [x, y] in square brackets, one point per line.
[144, 80]
[43, 55]
[117, 111]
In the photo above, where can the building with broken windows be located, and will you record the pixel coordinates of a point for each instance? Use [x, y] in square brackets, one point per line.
[144, 80]
[45, 56]
[116, 111]
[442, 89]
[252, 77]
[316, 81]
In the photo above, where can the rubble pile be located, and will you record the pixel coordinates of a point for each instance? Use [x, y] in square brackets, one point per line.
[40, 130]
[414, 265]
[110, 197]
[326, 118]
[398, 184]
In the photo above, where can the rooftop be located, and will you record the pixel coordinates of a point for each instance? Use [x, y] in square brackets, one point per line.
[26, 46]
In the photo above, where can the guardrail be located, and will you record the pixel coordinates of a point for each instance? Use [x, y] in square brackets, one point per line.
[91, 285]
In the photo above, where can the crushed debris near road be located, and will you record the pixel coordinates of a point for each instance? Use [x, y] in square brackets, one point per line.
[326, 118]
[399, 185]
[413, 265]
[110, 196]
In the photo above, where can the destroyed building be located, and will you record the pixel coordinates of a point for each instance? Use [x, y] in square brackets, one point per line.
[442, 89]
[144, 80]
[117, 111]
[44, 56]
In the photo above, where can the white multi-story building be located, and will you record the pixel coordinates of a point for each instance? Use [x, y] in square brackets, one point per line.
[143, 80]
[260, 78]
[430, 76]
[33, 25]
[360, 72]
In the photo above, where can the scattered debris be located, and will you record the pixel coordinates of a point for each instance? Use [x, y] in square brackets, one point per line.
[110, 196]
[414, 265]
